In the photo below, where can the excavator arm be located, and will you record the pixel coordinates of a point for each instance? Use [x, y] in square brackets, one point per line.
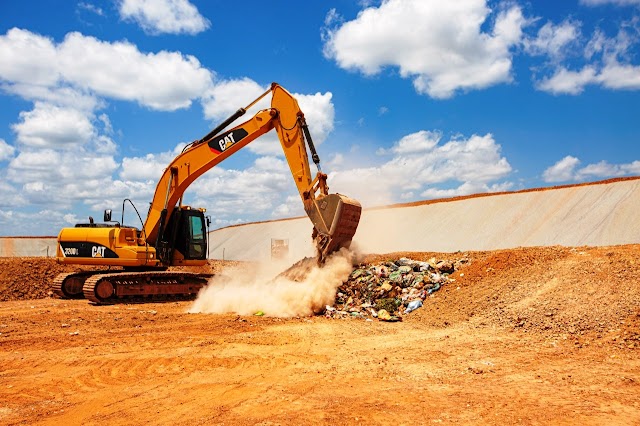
[335, 217]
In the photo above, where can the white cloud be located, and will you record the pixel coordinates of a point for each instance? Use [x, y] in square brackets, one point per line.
[620, 76]
[61, 157]
[612, 76]
[164, 16]
[91, 8]
[569, 82]
[561, 171]
[291, 207]
[609, 65]
[333, 17]
[27, 58]
[62, 181]
[632, 168]
[421, 164]
[11, 197]
[49, 126]
[466, 188]
[553, 40]
[335, 161]
[272, 164]
[64, 154]
[40, 222]
[41, 170]
[103, 145]
[35, 167]
[52, 168]
[63, 96]
[566, 170]
[106, 123]
[266, 177]
[148, 167]
[441, 46]
[37, 68]
[319, 113]
[6, 150]
[162, 81]
[422, 141]
[266, 189]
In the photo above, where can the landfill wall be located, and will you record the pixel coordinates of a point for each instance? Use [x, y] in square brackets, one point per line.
[28, 246]
[598, 214]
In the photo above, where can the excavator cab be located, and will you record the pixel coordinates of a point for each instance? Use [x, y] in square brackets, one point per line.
[186, 236]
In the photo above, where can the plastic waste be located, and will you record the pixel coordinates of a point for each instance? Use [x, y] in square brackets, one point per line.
[404, 269]
[383, 314]
[396, 276]
[433, 289]
[357, 273]
[412, 306]
[386, 286]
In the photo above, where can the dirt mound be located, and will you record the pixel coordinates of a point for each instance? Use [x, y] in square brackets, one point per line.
[25, 278]
[582, 293]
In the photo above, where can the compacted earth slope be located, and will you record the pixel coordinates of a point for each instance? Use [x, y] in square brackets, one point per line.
[542, 335]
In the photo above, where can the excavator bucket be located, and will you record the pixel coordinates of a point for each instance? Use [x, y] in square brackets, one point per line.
[335, 219]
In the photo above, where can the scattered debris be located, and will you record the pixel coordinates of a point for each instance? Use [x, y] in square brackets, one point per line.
[387, 290]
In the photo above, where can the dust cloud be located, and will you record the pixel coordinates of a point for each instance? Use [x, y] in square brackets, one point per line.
[300, 291]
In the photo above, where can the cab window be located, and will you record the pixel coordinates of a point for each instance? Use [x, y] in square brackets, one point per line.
[197, 242]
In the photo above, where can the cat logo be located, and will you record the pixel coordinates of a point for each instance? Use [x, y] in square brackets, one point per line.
[226, 141]
[221, 143]
[97, 251]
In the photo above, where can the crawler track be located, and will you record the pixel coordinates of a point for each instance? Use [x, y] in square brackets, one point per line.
[140, 287]
[70, 285]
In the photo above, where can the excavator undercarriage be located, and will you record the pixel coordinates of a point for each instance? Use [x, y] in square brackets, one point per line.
[105, 287]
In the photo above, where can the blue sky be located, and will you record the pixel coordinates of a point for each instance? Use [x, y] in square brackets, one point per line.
[406, 99]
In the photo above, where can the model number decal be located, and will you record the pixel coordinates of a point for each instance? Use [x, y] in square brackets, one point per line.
[71, 251]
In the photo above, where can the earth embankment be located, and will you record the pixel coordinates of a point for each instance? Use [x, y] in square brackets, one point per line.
[595, 214]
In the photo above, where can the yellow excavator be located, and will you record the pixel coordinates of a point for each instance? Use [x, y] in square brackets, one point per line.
[175, 234]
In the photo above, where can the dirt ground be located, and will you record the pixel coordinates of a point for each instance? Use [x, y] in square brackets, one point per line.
[524, 336]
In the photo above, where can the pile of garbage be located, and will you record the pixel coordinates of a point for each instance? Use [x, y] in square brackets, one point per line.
[391, 289]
